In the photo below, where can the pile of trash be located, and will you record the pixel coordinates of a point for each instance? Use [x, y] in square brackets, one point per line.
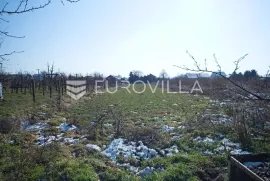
[135, 150]
[44, 139]
[129, 149]
[67, 127]
[224, 145]
[26, 126]
[138, 151]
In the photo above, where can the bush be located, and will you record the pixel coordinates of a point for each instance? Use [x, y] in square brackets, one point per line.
[8, 125]
[78, 171]
[174, 173]
[148, 135]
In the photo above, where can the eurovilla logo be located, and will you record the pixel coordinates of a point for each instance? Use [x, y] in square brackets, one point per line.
[77, 88]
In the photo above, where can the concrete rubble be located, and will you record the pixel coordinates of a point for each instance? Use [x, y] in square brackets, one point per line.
[136, 150]
[26, 126]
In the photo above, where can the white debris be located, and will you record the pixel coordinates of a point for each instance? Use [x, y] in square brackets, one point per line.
[134, 169]
[38, 126]
[181, 127]
[253, 164]
[204, 140]
[174, 149]
[208, 140]
[228, 143]
[67, 127]
[174, 138]
[93, 147]
[162, 152]
[135, 150]
[239, 152]
[222, 120]
[220, 149]
[71, 140]
[207, 152]
[117, 146]
[108, 125]
[167, 128]
[175, 104]
[146, 171]
[92, 123]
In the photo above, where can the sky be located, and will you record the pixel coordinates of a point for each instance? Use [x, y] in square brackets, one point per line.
[119, 36]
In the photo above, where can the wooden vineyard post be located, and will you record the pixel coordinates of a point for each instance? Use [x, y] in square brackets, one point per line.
[33, 91]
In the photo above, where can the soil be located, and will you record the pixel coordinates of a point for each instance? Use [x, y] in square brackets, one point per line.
[262, 171]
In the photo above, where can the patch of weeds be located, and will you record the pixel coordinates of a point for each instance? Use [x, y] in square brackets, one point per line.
[116, 175]
[151, 137]
[260, 146]
[78, 171]
[174, 173]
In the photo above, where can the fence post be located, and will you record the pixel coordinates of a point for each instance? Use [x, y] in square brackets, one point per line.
[59, 93]
[33, 91]
[1, 91]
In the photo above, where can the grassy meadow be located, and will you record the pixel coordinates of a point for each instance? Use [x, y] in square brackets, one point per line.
[99, 119]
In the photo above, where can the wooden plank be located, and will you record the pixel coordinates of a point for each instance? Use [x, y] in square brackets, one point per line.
[239, 165]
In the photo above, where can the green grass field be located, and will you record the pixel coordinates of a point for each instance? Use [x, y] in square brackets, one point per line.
[141, 118]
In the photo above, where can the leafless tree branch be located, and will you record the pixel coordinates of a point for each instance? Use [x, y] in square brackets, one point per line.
[199, 69]
[11, 36]
[18, 11]
[22, 7]
[2, 56]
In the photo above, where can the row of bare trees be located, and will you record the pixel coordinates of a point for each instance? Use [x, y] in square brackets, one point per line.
[247, 101]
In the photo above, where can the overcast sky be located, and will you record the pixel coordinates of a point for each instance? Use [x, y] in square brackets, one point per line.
[118, 36]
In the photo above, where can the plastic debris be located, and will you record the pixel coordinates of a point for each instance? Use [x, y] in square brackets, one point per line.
[67, 127]
[93, 147]
[167, 128]
[26, 126]
[253, 164]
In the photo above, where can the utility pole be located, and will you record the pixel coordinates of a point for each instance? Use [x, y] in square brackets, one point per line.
[1, 67]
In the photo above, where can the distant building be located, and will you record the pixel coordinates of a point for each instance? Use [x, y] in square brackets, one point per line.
[218, 75]
[203, 75]
[195, 76]
[38, 77]
[191, 76]
[111, 80]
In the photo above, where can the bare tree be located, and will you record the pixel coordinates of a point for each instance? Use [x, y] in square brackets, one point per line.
[163, 74]
[199, 68]
[20, 7]
[249, 109]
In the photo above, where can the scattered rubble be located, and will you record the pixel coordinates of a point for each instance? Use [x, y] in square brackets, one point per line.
[135, 150]
[107, 124]
[67, 127]
[205, 140]
[26, 126]
[226, 145]
[167, 128]
[93, 147]
[128, 150]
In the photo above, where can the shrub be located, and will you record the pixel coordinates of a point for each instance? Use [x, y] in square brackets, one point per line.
[8, 125]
